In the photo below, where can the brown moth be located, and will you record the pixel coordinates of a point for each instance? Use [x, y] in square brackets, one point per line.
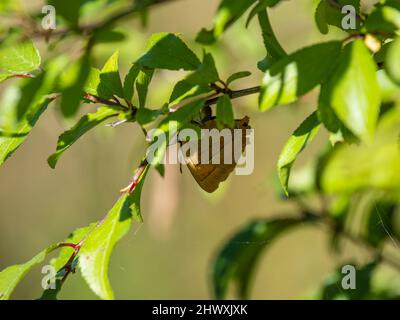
[210, 175]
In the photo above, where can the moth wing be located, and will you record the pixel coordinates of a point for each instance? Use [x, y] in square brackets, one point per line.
[210, 175]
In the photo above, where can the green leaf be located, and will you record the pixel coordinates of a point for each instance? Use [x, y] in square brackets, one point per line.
[332, 286]
[108, 36]
[30, 94]
[260, 6]
[337, 130]
[347, 170]
[184, 90]
[4, 76]
[353, 90]
[384, 19]
[321, 17]
[85, 124]
[182, 115]
[142, 84]
[206, 37]
[145, 116]
[11, 276]
[167, 51]
[21, 108]
[95, 254]
[297, 74]
[171, 125]
[237, 259]
[72, 94]
[140, 77]
[294, 146]
[342, 175]
[34, 89]
[392, 61]
[11, 138]
[134, 197]
[61, 260]
[206, 72]
[225, 112]
[196, 83]
[20, 58]
[389, 90]
[329, 13]
[237, 76]
[110, 81]
[129, 82]
[229, 11]
[275, 52]
[93, 82]
[69, 10]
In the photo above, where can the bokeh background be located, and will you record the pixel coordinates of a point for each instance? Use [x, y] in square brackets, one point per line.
[170, 255]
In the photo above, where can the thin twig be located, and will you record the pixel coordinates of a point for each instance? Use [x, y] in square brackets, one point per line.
[234, 95]
[97, 99]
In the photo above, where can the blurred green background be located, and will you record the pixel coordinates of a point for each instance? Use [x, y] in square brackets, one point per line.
[169, 256]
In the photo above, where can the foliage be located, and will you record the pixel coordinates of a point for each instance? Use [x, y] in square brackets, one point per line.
[356, 77]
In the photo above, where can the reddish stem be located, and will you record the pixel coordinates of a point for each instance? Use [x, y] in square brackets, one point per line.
[71, 245]
[138, 174]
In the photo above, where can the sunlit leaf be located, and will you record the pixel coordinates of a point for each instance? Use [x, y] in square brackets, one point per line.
[206, 72]
[73, 93]
[11, 276]
[170, 126]
[392, 63]
[348, 171]
[183, 90]
[238, 75]
[225, 112]
[95, 254]
[143, 80]
[12, 137]
[296, 143]
[62, 259]
[353, 90]
[85, 124]
[110, 81]
[129, 82]
[297, 74]
[19, 58]
[93, 82]
[168, 51]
